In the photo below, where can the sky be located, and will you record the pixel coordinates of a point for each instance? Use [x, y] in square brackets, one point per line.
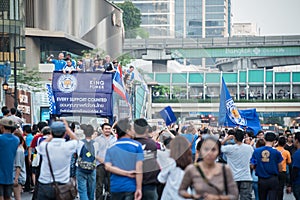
[273, 17]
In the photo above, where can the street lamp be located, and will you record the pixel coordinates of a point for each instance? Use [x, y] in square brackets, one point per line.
[21, 48]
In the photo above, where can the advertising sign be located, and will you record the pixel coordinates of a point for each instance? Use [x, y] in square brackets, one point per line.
[82, 93]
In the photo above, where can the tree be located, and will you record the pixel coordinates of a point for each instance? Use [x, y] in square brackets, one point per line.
[30, 77]
[131, 18]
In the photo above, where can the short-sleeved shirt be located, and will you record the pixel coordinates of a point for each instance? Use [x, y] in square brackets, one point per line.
[192, 139]
[60, 153]
[104, 144]
[20, 162]
[286, 157]
[266, 160]
[69, 68]
[151, 168]
[124, 154]
[34, 142]
[9, 145]
[238, 159]
[58, 64]
[296, 163]
[29, 138]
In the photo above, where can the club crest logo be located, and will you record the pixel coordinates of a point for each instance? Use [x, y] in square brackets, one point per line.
[67, 83]
[234, 114]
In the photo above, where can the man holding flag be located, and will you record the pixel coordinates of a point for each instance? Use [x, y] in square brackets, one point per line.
[230, 116]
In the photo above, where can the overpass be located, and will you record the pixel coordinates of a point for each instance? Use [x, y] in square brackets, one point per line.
[243, 52]
[286, 109]
[271, 92]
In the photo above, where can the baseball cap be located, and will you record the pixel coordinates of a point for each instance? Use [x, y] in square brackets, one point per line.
[58, 127]
[7, 122]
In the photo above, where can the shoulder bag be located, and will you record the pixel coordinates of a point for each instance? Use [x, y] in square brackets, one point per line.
[212, 185]
[66, 191]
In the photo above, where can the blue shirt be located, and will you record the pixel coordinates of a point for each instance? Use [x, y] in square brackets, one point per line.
[58, 64]
[266, 160]
[8, 145]
[29, 138]
[192, 139]
[296, 163]
[124, 154]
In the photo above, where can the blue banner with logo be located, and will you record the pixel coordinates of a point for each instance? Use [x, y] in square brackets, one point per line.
[82, 93]
[82, 82]
[230, 116]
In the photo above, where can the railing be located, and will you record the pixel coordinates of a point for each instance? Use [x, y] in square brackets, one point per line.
[217, 100]
[169, 43]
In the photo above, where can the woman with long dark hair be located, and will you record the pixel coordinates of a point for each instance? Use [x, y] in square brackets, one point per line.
[209, 179]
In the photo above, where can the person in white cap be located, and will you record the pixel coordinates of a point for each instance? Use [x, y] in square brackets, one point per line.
[60, 153]
[8, 144]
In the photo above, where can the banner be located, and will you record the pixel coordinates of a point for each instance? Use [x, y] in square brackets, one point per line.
[82, 82]
[168, 115]
[81, 93]
[230, 116]
[83, 103]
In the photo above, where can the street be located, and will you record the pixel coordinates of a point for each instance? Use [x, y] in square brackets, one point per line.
[28, 196]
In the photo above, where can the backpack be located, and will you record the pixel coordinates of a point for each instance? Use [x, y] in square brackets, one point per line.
[86, 159]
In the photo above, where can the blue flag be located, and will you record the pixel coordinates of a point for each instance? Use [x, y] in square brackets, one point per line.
[51, 99]
[230, 116]
[168, 115]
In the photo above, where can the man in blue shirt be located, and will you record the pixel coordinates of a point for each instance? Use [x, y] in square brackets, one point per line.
[8, 145]
[267, 164]
[125, 162]
[59, 63]
[192, 136]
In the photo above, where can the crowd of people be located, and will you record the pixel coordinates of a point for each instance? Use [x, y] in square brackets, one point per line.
[88, 64]
[133, 160]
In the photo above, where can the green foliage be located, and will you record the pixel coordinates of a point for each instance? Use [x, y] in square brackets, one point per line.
[131, 18]
[29, 77]
[142, 33]
[94, 52]
[161, 89]
[125, 59]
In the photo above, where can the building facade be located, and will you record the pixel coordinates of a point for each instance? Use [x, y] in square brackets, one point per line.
[158, 17]
[203, 18]
[49, 27]
[244, 29]
[185, 18]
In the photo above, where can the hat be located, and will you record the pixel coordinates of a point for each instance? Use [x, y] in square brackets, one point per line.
[7, 122]
[58, 127]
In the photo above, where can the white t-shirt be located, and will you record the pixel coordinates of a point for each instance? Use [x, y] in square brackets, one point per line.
[238, 159]
[60, 153]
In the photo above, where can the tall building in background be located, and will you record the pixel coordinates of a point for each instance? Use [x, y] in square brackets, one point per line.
[185, 18]
[244, 29]
[202, 18]
[158, 17]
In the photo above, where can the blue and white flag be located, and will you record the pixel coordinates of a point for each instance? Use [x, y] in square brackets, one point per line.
[51, 99]
[230, 116]
[168, 115]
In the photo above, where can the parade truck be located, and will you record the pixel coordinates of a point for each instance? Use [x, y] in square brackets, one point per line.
[85, 97]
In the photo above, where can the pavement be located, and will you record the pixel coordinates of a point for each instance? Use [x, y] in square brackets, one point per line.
[28, 196]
